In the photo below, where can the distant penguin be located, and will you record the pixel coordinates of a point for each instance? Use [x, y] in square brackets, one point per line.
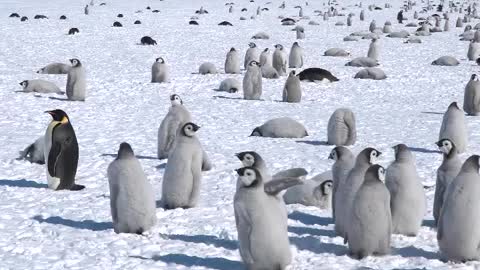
[408, 203]
[160, 71]
[447, 171]
[454, 127]
[400, 17]
[24, 18]
[295, 59]
[446, 26]
[459, 23]
[76, 81]
[415, 15]
[132, 202]
[183, 172]
[265, 58]
[146, 40]
[261, 220]
[279, 60]
[371, 73]
[344, 162]
[252, 82]
[292, 91]
[473, 51]
[369, 226]
[373, 26]
[55, 68]
[374, 49]
[117, 24]
[336, 52]
[300, 32]
[268, 72]
[349, 20]
[387, 28]
[176, 117]
[61, 152]
[316, 74]
[207, 68]
[457, 232]
[40, 86]
[73, 31]
[347, 189]
[252, 54]
[35, 152]
[86, 10]
[283, 127]
[232, 62]
[230, 85]
[446, 61]
[471, 98]
[362, 62]
[342, 128]
[362, 15]
[261, 35]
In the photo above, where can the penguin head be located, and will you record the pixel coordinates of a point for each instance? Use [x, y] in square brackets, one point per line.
[189, 129]
[59, 116]
[295, 44]
[256, 132]
[24, 83]
[454, 105]
[471, 164]
[249, 177]
[75, 62]
[292, 73]
[401, 151]
[474, 77]
[375, 172]
[160, 60]
[248, 158]
[266, 50]
[445, 146]
[326, 187]
[40, 70]
[279, 46]
[232, 49]
[253, 63]
[369, 155]
[252, 45]
[334, 154]
[125, 151]
[175, 99]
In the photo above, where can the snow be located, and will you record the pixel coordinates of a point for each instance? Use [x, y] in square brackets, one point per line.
[45, 229]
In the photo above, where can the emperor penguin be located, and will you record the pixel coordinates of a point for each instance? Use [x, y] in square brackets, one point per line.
[76, 82]
[55, 68]
[268, 72]
[252, 54]
[40, 86]
[349, 20]
[61, 152]
[374, 49]
[183, 172]
[160, 71]
[373, 26]
[265, 58]
[176, 117]
[446, 26]
[232, 62]
[471, 98]
[387, 28]
[347, 189]
[295, 59]
[342, 127]
[362, 15]
[459, 23]
[261, 221]
[344, 162]
[300, 32]
[457, 232]
[253, 159]
[369, 226]
[279, 60]
[447, 171]
[35, 152]
[408, 203]
[86, 10]
[252, 82]
[473, 50]
[283, 127]
[454, 127]
[292, 91]
[132, 202]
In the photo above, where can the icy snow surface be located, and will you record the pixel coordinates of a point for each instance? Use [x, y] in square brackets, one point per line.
[45, 229]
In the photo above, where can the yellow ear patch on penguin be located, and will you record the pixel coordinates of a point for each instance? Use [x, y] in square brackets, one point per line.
[64, 120]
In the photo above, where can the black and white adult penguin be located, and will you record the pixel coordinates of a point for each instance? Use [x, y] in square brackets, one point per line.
[61, 152]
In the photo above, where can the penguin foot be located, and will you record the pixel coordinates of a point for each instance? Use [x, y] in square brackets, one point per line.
[76, 187]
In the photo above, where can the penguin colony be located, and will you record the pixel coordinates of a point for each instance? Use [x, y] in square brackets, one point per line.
[369, 202]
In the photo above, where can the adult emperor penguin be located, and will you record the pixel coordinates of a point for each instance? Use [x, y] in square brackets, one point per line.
[232, 62]
[292, 91]
[344, 162]
[261, 220]
[473, 50]
[369, 226]
[348, 188]
[408, 203]
[459, 221]
[374, 49]
[454, 127]
[132, 202]
[342, 127]
[447, 171]
[471, 98]
[252, 54]
[160, 71]
[295, 59]
[252, 82]
[279, 60]
[61, 152]
[76, 83]
[183, 173]
[176, 117]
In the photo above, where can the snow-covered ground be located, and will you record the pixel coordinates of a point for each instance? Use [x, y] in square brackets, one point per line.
[45, 229]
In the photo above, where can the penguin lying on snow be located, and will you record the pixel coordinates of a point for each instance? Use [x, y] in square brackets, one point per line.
[362, 62]
[40, 86]
[229, 85]
[117, 24]
[73, 31]
[371, 73]
[316, 191]
[146, 40]
[446, 61]
[34, 152]
[40, 17]
[14, 15]
[283, 127]
[55, 68]
[225, 23]
[261, 35]
[337, 52]
[316, 74]
[207, 68]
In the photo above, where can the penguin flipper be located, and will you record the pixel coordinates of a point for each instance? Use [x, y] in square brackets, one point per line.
[53, 156]
[206, 164]
[294, 173]
[243, 221]
[275, 186]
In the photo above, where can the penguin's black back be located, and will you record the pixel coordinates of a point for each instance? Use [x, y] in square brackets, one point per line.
[63, 156]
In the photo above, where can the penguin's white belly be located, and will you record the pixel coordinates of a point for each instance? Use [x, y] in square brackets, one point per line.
[53, 182]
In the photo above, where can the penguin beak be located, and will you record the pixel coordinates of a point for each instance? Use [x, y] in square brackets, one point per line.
[438, 144]
[49, 112]
[21, 83]
[379, 153]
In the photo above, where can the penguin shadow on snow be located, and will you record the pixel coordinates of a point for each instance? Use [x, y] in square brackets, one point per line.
[411, 251]
[313, 244]
[161, 166]
[84, 224]
[234, 98]
[308, 219]
[205, 239]
[137, 156]
[428, 223]
[433, 113]
[21, 183]
[191, 261]
[314, 143]
[61, 99]
[311, 231]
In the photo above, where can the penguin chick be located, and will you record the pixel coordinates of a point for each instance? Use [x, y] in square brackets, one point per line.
[408, 203]
[232, 62]
[283, 127]
[447, 171]
[279, 60]
[454, 127]
[55, 68]
[295, 59]
[292, 91]
[374, 49]
[160, 71]
[176, 117]
[76, 82]
[252, 54]
[132, 202]
[342, 127]
[344, 162]
[40, 86]
[369, 227]
[471, 98]
[473, 50]
[34, 152]
[252, 82]
[265, 58]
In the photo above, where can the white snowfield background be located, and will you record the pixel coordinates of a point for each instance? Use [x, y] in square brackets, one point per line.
[45, 229]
